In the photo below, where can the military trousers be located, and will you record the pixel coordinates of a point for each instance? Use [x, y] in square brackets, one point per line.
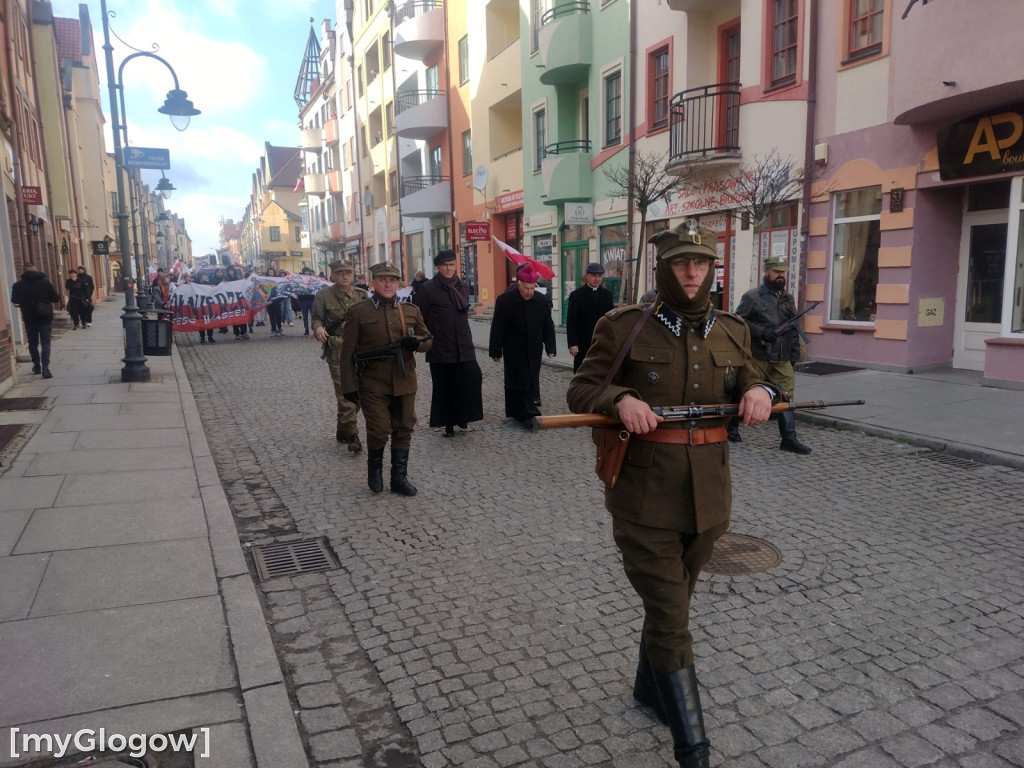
[663, 567]
[780, 372]
[346, 410]
[388, 415]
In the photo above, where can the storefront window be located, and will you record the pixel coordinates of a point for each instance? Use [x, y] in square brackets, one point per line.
[1017, 318]
[613, 258]
[856, 235]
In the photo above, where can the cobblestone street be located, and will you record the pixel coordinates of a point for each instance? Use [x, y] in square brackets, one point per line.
[487, 623]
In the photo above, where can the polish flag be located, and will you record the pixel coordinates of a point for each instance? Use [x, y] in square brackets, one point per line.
[517, 258]
[300, 185]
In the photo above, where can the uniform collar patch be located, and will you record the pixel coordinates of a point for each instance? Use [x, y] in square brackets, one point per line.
[674, 322]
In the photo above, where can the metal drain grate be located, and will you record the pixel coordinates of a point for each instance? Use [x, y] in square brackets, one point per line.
[22, 403]
[950, 460]
[293, 557]
[10, 434]
[736, 554]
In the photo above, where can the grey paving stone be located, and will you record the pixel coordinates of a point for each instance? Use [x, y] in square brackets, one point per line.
[20, 576]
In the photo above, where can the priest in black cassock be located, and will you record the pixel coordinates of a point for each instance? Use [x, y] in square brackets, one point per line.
[587, 305]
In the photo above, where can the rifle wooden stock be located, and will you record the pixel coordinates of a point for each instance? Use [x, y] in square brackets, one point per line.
[677, 413]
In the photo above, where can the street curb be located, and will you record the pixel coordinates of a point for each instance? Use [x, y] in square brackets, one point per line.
[257, 666]
[960, 450]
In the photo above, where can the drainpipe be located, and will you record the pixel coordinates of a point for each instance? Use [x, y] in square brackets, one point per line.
[812, 98]
[451, 156]
[633, 273]
[56, 264]
[355, 128]
[19, 177]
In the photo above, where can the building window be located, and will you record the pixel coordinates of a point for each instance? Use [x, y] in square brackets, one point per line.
[866, 17]
[436, 166]
[367, 199]
[537, 8]
[389, 118]
[658, 92]
[783, 47]
[297, 233]
[613, 109]
[359, 79]
[467, 153]
[385, 50]
[856, 235]
[275, 234]
[431, 77]
[539, 138]
[393, 187]
[464, 60]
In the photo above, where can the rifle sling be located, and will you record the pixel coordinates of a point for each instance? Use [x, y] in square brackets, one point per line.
[623, 350]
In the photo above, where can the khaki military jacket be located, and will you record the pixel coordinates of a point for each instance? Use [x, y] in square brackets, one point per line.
[331, 304]
[376, 323]
[663, 485]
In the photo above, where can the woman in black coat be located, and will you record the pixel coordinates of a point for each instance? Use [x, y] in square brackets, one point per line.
[444, 301]
[520, 331]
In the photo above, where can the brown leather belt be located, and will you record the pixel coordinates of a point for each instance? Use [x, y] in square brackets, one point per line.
[685, 436]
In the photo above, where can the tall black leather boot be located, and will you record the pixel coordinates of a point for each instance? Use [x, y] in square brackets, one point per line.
[681, 699]
[375, 469]
[399, 468]
[644, 688]
[787, 429]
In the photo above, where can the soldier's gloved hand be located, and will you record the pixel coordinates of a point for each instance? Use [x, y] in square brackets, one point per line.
[409, 342]
[769, 336]
[352, 397]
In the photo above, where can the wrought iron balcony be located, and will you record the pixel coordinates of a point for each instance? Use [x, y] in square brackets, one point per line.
[419, 28]
[424, 196]
[704, 124]
[565, 43]
[420, 114]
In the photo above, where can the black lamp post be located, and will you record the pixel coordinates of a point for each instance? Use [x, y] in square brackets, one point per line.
[180, 110]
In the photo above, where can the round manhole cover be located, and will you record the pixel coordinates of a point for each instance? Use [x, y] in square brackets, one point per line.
[736, 554]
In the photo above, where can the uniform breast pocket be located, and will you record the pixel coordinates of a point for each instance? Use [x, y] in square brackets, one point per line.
[726, 365]
[650, 371]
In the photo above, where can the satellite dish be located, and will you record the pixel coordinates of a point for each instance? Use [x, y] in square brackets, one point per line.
[480, 178]
[367, 198]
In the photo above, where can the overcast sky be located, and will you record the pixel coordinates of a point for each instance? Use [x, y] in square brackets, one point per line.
[239, 61]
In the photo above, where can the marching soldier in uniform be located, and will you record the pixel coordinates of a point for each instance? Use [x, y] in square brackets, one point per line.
[765, 308]
[673, 495]
[329, 309]
[378, 371]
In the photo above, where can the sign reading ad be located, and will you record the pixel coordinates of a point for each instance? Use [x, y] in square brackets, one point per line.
[991, 142]
[478, 230]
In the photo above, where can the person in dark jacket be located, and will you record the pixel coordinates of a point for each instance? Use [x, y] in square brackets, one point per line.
[454, 371]
[75, 291]
[86, 288]
[520, 330]
[587, 305]
[234, 272]
[35, 296]
[306, 303]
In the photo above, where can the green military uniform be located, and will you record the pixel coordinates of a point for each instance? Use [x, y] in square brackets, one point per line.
[329, 309]
[387, 399]
[674, 494]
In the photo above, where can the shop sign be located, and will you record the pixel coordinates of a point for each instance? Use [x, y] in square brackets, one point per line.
[705, 196]
[511, 201]
[987, 143]
[100, 247]
[478, 230]
[579, 213]
[32, 195]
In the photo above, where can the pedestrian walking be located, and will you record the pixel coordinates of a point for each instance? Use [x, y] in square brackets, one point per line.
[521, 330]
[306, 304]
[275, 311]
[765, 308]
[207, 335]
[330, 305]
[160, 293]
[87, 289]
[456, 397]
[35, 296]
[241, 330]
[673, 493]
[74, 302]
[587, 304]
[378, 371]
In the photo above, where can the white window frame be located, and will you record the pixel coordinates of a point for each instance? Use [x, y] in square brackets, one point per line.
[831, 262]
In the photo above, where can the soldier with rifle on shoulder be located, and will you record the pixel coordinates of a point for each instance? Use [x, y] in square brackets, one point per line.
[329, 309]
[378, 371]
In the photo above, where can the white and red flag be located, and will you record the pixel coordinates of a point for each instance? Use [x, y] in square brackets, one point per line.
[518, 258]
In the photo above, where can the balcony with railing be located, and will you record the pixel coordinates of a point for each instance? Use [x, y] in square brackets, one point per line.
[421, 114]
[332, 131]
[424, 196]
[694, 6]
[419, 28]
[565, 42]
[312, 139]
[704, 126]
[314, 184]
[566, 172]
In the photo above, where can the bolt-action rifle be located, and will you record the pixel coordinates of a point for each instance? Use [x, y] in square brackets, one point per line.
[392, 351]
[678, 413]
[330, 329]
[781, 328]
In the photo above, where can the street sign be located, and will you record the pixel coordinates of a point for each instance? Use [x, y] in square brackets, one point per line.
[478, 230]
[147, 157]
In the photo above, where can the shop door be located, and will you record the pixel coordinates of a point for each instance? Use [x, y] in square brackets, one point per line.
[979, 286]
[574, 262]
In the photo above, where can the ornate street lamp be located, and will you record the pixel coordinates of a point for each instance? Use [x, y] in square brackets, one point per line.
[180, 110]
[164, 186]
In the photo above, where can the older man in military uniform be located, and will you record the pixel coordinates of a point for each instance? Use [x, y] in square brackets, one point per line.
[673, 496]
[329, 309]
[765, 308]
[385, 388]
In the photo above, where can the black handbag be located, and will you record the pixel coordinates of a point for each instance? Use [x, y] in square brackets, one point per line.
[44, 310]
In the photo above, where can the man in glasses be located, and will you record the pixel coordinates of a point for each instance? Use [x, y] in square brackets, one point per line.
[673, 495]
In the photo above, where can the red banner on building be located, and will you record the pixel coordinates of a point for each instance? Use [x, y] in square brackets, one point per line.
[32, 195]
[478, 230]
[510, 202]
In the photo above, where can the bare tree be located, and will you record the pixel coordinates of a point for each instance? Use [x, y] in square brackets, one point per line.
[334, 246]
[649, 184]
[757, 190]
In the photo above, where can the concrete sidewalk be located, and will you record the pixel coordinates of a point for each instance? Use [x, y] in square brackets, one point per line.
[946, 410]
[127, 603]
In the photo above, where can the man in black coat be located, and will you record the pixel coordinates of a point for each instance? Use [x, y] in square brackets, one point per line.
[587, 305]
[456, 376]
[86, 289]
[520, 330]
[35, 296]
